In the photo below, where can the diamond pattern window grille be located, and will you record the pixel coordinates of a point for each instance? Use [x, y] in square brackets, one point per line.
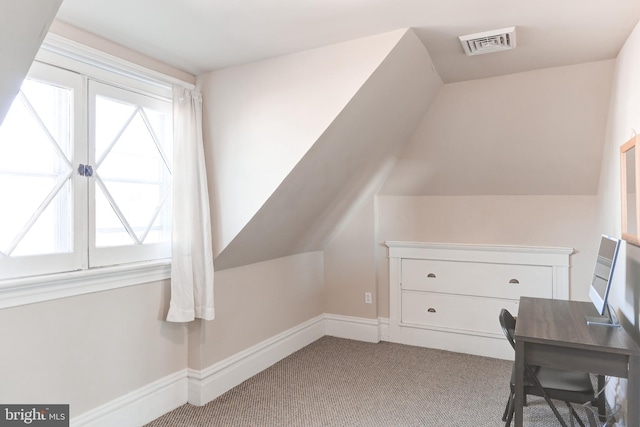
[85, 173]
[133, 175]
[36, 189]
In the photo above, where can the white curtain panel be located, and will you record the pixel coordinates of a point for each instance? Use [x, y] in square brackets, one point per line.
[192, 254]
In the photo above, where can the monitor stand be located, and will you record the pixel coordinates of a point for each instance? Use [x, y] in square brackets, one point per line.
[610, 319]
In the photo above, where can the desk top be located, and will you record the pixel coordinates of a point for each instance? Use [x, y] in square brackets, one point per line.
[563, 323]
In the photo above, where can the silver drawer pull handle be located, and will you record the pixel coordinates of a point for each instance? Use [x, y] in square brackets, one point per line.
[431, 310]
[515, 281]
[431, 276]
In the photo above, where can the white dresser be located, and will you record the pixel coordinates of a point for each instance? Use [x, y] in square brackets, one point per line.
[448, 296]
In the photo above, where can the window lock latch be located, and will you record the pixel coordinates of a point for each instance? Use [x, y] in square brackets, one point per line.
[85, 170]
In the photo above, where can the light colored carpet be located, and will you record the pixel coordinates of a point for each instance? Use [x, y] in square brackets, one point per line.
[339, 382]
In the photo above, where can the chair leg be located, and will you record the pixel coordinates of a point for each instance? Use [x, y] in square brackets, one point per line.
[573, 414]
[511, 411]
[599, 400]
[555, 411]
[506, 409]
[592, 419]
[534, 378]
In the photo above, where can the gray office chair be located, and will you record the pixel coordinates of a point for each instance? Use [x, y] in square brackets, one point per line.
[549, 383]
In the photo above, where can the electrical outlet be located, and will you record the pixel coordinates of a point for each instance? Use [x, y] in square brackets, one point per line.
[368, 298]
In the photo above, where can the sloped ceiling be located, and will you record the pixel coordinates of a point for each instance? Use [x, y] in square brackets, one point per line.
[347, 164]
[534, 133]
[23, 26]
[262, 118]
[292, 161]
[202, 35]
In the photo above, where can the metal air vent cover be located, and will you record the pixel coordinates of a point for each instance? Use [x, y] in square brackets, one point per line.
[489, 41]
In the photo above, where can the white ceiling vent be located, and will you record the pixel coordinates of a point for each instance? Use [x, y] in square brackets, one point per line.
[489, 41]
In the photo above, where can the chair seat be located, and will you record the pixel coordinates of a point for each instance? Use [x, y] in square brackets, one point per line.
[578, 382]
[558, 380]
[559, 384]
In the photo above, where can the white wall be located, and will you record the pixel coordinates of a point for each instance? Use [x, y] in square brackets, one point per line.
[523, 171]
[88, 350]
[624, 122]
[93, 349]
[23, 26]
[539, 132]
[345, 166]
[256, 302]
[349, 261]
[261, 118]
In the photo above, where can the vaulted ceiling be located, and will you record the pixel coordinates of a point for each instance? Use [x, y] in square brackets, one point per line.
[320, 133]
[203, 35]
[23, 24]
[525, 121]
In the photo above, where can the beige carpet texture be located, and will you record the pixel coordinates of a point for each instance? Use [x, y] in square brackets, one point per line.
[340, 382]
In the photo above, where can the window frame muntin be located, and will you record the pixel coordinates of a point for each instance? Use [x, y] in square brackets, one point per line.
[105, 256]
[17, 267]
[64, 53]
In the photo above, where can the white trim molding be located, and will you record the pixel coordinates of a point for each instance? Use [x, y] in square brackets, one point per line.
[29, 290]
[538, 255]
[357, 328]
[82, 54]
[199, 387]
[384, 328]
[209, 383]
[140, 406]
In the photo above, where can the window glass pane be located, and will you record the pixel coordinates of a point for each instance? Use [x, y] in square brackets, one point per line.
[35, 143]
[49, 234]
[111, 118]
[134, 156]
[143, 208]
[161, 229]
[110, 231]
[162, 125]
[135, 170]
[53, 106]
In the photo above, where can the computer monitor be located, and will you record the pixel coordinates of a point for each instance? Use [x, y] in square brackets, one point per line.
[602, 279]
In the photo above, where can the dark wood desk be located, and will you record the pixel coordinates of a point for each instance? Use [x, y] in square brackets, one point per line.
[554, 333]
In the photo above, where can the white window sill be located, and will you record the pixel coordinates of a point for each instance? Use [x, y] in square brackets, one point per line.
[29, 290]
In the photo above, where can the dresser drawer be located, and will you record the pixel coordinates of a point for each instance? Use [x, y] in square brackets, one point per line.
[509, 281]
[454, 312]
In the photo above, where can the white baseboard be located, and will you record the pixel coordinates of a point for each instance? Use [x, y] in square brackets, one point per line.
[384, 328]
[199, 387]
[494, 346]
[140, 406]
[356, 328]
[209, 383]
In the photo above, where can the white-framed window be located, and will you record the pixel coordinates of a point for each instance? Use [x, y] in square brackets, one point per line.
[41, 217]
[85, 176]
[130, 152]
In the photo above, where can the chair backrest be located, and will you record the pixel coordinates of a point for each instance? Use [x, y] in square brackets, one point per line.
[508, 324]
